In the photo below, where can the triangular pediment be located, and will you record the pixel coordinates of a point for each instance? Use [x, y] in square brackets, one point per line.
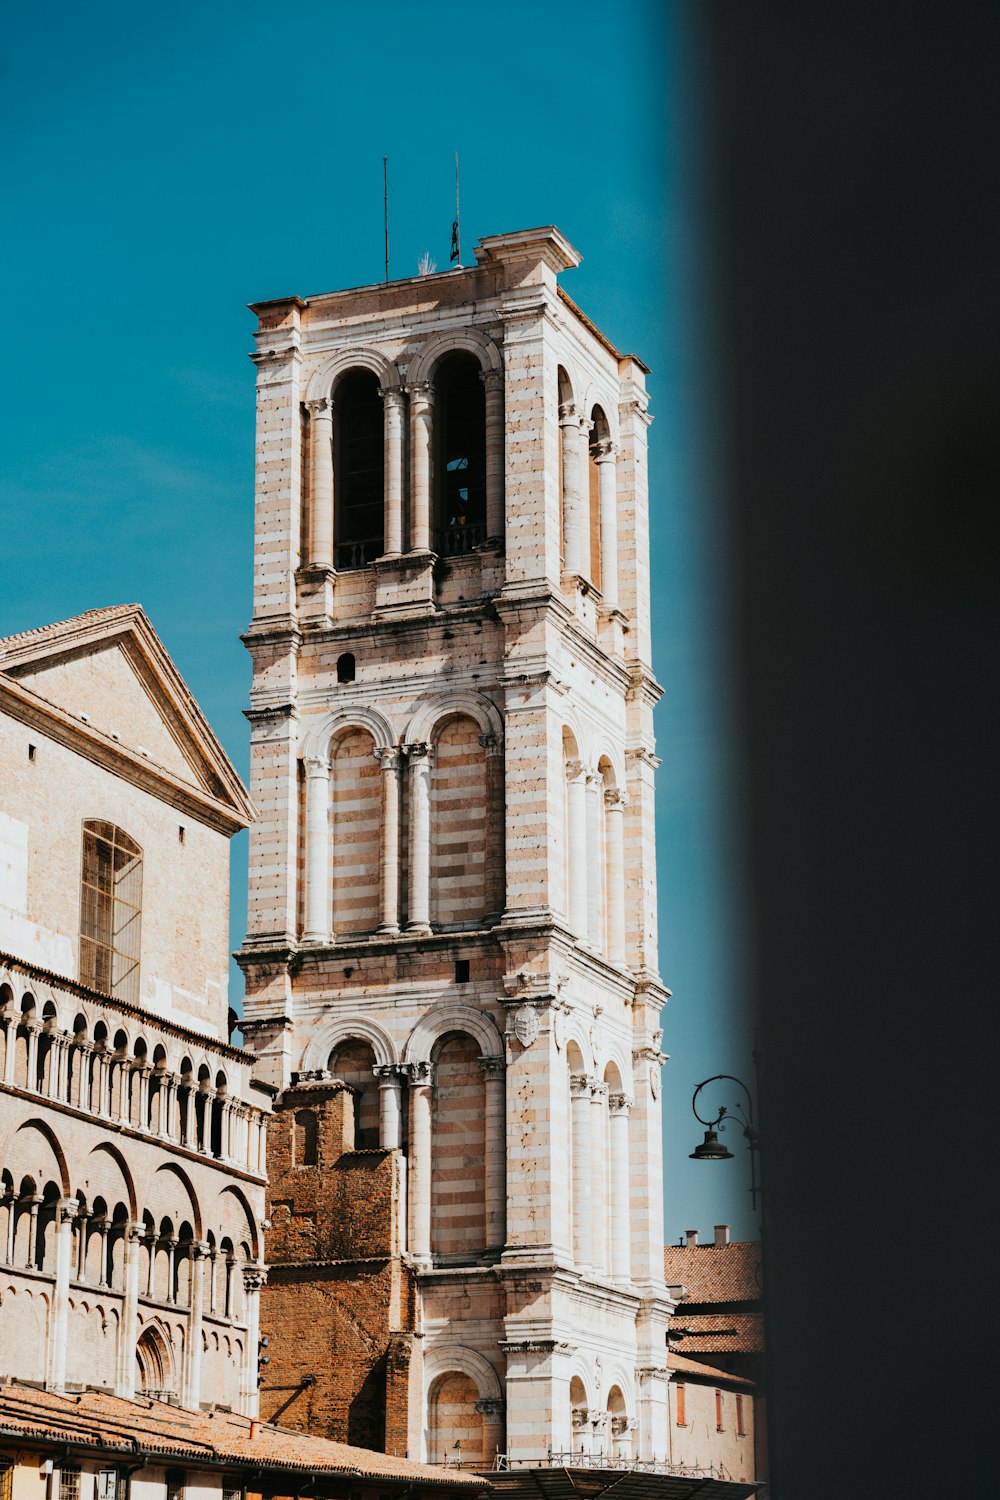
[109, 671]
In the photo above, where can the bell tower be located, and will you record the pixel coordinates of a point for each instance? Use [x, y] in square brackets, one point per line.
[452, 881]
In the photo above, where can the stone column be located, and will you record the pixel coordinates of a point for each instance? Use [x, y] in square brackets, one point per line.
[11, 1052]
[388, 759]
[390, 1102]
[152, 1239]
[575, 531]
[421, 465]
[493, 381]
[491, 1409]
[420, 1160]
[213, 1256]
[595, 861]
[494, 1074]
[192, 1380]
[579, 1088]
[393, 403]
[621, 1231]
[84, 1053]
[128, 1334]
[599, 1206]
[83, 1214]
[420, 838]
[576, 839]
[36, 1202]
[607, 480]
[254, 1278]
[187, 1116]
[496, 895]
[100, 1093]
[124, 1073]
[317, 913]
[103, 1224]
[59, 1326]
[31, 1082]
[321, 482]
[171, 1244]
[145, 1073]
[10, 1226]
[614, 831]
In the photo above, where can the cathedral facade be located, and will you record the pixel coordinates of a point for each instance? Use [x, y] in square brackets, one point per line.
[451, 958]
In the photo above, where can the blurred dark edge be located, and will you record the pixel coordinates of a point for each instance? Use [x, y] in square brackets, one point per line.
[852, 255]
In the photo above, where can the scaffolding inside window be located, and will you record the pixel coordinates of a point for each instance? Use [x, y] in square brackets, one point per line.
[110, 911]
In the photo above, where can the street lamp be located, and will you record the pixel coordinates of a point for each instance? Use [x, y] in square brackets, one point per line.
[711, 1148]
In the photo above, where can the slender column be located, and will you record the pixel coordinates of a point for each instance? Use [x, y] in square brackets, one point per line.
[36, 1203]
[128, 1334]
[614, 828]
[254, 1278]
[576, 531]
[321, 482]
[168, 1093]
[192, 1393]
[388, 759]
[81, 1243]
[579, 1088]
[577, 842]
[187, 1116]
[59, 1327]
[152, 1241]
[213, 1258]
[390, 1086]
[57, 1066]
[494, 1074]
[599, 1178]
[421, 467]
[171, 1244]
[103, 1228]
[9, 1055]
[31, 1081]
[607, 481]
[495, 818]
[420, 838]
[493, 381]
[10, 1227]
[491, 1409]
[145, 1074]
[420, 1159]
[84, 1053]
[100, 1094]
[393, 406]
[124, 1071]
[595, 861]
[317, 914]
[621, 1266]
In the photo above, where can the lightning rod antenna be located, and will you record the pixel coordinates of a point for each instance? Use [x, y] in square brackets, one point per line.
[385, 204]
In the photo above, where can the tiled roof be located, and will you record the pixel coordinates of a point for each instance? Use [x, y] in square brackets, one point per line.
[57, 627]
[685, 1366]
[723, 1273]
[111, 1425]
[717, 1333]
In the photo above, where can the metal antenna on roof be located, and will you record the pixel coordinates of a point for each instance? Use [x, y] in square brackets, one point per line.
[385, 204]
[456, 228]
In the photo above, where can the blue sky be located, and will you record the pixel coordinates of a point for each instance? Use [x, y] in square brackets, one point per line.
[165, 166]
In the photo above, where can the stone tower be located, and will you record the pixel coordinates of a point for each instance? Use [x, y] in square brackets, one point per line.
[452, 883]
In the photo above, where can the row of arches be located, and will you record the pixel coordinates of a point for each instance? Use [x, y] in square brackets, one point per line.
[403, 834]
[593, 811]
[443, 430]
[588, 490]
[103, 1070]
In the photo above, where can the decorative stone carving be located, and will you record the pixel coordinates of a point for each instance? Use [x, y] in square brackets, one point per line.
[654, 1080]
[526, 1025]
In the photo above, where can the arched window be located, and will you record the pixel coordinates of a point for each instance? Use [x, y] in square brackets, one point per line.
[458, 1151]
[353, 1062]
[460, 466]
[346, 667]
[456, 1436]
[359, 471]
[110, 911]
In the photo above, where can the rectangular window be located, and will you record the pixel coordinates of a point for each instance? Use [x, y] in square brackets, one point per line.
[69, 1484]
[110, 911]
[740, 1429]
[718, 1411]
[175, 1484]
[681, 1405]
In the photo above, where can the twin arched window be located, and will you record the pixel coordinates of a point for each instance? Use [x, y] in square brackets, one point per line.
[110, 911]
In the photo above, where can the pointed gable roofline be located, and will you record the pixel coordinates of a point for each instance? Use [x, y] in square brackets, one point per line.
[221, 800]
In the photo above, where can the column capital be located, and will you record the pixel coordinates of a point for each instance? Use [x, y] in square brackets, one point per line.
[491, 1406]
[316, 766]
[201, 1250]
[422, 391]
[620, 1104]
[579, 1085]
[392, 395]
[388, 756]
[254, 1277]
[615, 799]
[598, 1089]
[389, 1074]
[419, 752]
[68, 1210]
[576, 770]
[319, 406]
[492, 379]
[567, 414]
[491, 743]
[135, 1229]
[604, 451]
[420, 1074]
[492, 1067]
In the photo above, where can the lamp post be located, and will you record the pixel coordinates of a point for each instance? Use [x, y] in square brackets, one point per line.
[711, 1148]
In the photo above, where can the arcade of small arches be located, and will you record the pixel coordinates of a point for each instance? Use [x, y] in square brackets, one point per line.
[404, 834]
[102, 1068]
[99, 1260]
[444, 429]
[465, 1412]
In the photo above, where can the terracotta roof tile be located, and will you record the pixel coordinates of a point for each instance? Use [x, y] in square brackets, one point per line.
[56, 627]
[685, 1366]
[724, 1273]
[717, 1333]
[110, 1424]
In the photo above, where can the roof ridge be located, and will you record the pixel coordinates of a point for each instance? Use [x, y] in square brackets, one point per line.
[106, 611]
